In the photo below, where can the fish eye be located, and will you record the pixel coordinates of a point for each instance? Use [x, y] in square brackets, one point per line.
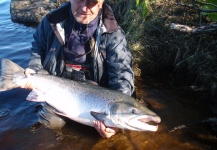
[133, 111]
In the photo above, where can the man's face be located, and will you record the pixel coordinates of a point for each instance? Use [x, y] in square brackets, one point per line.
[85, 11]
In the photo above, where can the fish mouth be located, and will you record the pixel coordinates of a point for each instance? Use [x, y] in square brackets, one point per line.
[142, 123]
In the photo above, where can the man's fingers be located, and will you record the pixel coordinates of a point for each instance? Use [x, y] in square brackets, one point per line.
[27, 84]
[111, 130]
[104, 131]
[99, 125]
[98, 128]
[29, 71]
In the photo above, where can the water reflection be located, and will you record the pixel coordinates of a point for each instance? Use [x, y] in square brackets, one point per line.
[15, 39]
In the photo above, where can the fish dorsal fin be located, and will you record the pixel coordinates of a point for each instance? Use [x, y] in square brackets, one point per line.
[42, 71]
[91, 82]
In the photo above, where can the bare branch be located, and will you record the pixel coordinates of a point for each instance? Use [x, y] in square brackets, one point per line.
[199, 30]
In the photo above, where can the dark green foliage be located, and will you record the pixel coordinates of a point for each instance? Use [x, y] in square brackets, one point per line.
[209, 5]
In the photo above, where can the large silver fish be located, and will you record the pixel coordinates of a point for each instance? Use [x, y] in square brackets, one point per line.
[81, 102]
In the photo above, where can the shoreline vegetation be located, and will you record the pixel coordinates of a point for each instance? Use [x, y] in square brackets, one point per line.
[182, 60]
[179, 59]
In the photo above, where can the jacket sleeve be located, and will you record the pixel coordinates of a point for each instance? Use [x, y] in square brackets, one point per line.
[119, 63]
[39, 45]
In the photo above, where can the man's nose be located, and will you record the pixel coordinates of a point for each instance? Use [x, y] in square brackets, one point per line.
[83, 5]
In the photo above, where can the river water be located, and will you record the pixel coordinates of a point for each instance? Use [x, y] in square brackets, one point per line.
[19, 127]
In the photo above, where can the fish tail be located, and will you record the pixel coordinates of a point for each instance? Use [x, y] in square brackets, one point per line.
[8, 71]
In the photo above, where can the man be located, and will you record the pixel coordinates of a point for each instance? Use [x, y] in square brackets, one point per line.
[82, 41]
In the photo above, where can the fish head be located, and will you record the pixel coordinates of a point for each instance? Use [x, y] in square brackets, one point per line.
[133, 116]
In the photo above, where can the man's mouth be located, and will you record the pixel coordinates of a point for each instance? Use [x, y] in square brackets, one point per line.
[85, 14]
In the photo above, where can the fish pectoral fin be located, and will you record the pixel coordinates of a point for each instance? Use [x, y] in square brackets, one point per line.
[98, 116]
[36, 96]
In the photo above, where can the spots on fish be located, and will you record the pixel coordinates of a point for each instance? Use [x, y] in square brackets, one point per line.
[4, 113]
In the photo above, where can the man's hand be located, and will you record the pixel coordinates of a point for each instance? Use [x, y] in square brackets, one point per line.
[28, 84]
[105, 132]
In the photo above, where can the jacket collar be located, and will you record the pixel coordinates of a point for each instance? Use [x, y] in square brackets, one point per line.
[62, 13]
[108, 19]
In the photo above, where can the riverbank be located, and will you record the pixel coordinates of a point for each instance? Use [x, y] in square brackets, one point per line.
[188, 60]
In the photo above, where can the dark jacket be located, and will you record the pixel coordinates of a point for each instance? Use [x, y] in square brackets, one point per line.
[112, 60]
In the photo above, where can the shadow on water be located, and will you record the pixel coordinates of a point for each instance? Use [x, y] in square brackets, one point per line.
[27, 24]
[15, 111]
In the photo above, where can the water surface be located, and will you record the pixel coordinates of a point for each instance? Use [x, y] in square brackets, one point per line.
[19, 128]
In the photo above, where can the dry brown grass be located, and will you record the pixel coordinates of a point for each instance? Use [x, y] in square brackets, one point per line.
[156, 47]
